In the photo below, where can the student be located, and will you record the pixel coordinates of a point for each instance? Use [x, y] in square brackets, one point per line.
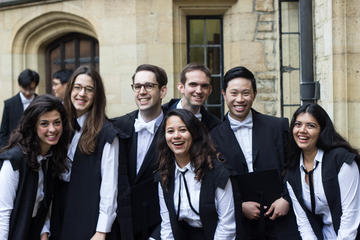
[195, 192]
[322, 177]
[195, 88]
[85, 206]
[16, 105]
[253, 142]
[59, 82]
[29, 164]
[149, 87]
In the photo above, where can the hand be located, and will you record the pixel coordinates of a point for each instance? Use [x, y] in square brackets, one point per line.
[99, 236]
[251, 210]
[44, 236]
[280, 208]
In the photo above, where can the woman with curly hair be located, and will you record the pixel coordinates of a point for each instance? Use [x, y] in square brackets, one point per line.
[30, 163]
[322, 177]
[85, 203]
[195, 192]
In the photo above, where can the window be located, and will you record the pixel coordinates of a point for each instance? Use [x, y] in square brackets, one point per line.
[289, 57]
[205, 45]
[69, 52]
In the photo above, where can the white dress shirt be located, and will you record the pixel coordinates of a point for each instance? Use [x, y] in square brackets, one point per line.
[224, 204]
[146, 132]
[26, 102]
[198, 115]
[109, 177]
[348, 178]
[244, 137]
[9, 181]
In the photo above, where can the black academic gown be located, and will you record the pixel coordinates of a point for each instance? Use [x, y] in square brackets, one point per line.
[269, 136]
[76, 206]
[22, 224]
[208, 119]
[331, 165]
[143, 193]
[13, 109]
[212, 179]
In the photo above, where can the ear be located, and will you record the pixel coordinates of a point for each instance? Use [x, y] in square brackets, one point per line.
[181, 88]
[163, 91]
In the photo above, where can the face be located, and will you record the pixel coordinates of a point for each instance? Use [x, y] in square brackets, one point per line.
[58, 88]
[49, 129]
[178, 138]
[196, 90]
[147, 98]
[29, 91]
[82, 94]
[239, 97]
[306, 132]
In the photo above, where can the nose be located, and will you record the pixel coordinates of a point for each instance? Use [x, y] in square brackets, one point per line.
[142, 90]
[52, 128]
[82, 92]
[176, 134]
[302, 128]
[198, 89]
[239, 98]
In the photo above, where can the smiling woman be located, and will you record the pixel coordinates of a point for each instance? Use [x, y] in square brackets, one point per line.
[322, 177]
[85, 207]
[195, 192]
[26, 189]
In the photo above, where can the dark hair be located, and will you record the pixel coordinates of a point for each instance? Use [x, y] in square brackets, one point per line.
[28, 76]
[192, 67]
[239, 72]
[160, 73]
[328, 138]
[96, 118]
[63, 75]
[25, 135]
[202, 150]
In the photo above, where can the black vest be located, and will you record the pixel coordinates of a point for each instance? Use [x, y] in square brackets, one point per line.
[331, 165]
[212, 179]
[81, 195]
[22, 225]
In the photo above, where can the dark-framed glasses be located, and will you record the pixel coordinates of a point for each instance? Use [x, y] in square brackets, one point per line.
[87, 89]
[148, 86]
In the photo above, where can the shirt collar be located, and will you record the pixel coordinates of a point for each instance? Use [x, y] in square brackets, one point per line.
[81, 119]
[178, 169]
[25, 100]
[318, 157]
[157, 121]
[40, 157]
[248, 118]
[198, 115]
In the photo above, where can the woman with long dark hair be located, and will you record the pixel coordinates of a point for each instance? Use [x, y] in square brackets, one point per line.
[195, 192]
[85, 206]
[322, 177]
[30, 163]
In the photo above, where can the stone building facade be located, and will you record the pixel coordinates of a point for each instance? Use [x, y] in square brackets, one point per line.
[132, 32]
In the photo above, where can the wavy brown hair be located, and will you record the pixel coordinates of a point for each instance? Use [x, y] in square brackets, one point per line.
[26, 137]
[96, 117]
[202, 151]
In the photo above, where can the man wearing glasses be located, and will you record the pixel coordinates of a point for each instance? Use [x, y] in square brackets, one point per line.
[195, 88]
[16, 105]
[149, 87]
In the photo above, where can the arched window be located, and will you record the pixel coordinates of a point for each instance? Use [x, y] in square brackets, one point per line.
[69, 52]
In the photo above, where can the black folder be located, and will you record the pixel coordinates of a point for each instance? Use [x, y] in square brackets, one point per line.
[263, 187]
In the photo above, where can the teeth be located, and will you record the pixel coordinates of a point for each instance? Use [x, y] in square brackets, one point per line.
[178, 143]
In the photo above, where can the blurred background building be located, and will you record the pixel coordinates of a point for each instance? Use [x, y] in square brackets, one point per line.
[299, 50]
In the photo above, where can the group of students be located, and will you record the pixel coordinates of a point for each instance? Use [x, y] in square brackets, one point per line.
[170, 171]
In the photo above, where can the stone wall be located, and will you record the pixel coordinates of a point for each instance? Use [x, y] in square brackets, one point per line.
[251, 40]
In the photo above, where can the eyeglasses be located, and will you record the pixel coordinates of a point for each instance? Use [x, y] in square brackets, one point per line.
[78, 88]
[148, 86]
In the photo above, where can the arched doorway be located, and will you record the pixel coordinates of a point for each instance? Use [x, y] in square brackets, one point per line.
[69, 52]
